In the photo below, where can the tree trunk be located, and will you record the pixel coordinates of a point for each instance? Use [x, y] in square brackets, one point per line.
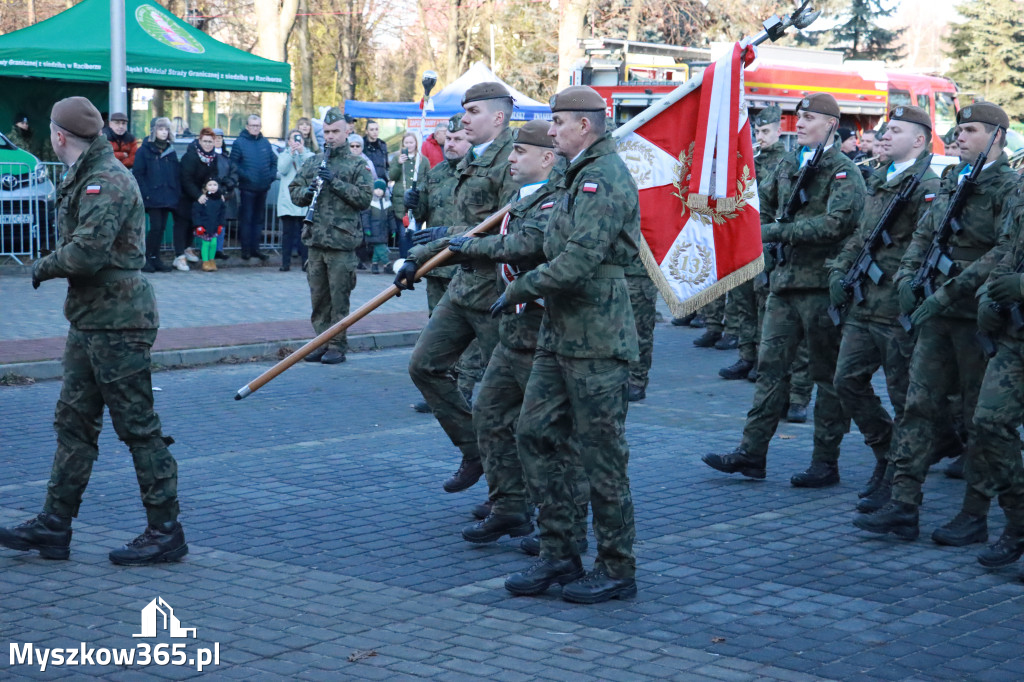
[31, 12]
[451, 47]
[306, 60]
[570, 30]
[274, 21]
[633, 28]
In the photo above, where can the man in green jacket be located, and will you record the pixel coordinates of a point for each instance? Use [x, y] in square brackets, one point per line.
[113, 316]
[574, 407]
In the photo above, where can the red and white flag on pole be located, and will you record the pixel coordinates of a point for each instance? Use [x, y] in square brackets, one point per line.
[692, 159]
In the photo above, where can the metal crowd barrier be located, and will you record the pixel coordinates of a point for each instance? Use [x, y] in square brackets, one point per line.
[26, 204]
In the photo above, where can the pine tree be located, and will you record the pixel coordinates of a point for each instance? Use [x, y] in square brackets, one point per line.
[987, 61]
[856, 32]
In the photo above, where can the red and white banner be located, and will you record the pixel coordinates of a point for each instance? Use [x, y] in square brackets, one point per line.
[694, 165]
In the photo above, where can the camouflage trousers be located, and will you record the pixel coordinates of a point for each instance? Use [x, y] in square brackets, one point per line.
[469, 369]
[714, 314]
[495, 415]
[110, 368]
[946, 360]
[332, 277]
[449, 332]
[865, 347]
[643, 295]
[994, 466]
[792, 318]
[574, 413]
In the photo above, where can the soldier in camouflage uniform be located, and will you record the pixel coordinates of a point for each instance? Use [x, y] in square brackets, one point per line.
[872, 337]
[797, 305]
[947, 350]
[484, 185]
[643, 296]
[995, 465]
[334, 236]
[113, 316]
[516, 250]
[574, 408]
[745, 305]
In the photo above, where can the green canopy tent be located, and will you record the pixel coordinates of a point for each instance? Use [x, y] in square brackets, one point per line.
[69, 54]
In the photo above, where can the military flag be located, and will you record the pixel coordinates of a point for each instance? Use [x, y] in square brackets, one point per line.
[692, 158]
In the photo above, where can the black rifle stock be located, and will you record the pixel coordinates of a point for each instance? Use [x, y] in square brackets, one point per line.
[937, 258]
[865, 265]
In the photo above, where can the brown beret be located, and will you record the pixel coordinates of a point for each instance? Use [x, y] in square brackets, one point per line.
[983, 112]
[119, 117]
[489, 90]
[78, 116]
[578, 98]
[911, 114]
[534, 133]
[455, 123]
[819, 103]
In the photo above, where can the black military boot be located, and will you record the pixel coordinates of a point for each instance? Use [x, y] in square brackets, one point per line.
[597, 586]
[707, 339]
[727, 342]
[738, 461]
[683, 321]
[422, 407]
[752, 377]
[738, 370]
[542, 574]
[877, 476]
[482, 510]
[636, 393]
[818, 475]
[531, 546]
[158, 543]
[49, 533]
[466, 476]
[964, 529]
[898, 518]
[317, 355]
[878, 498]
[796, 414]
[497, 525]
[956, 469]
[698, 322]
[1007, 549]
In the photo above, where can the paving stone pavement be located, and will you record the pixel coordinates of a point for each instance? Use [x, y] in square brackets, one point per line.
[319, 533]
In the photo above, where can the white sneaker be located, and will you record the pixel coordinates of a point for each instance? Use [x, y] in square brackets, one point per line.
[180, 264]
[191, 256]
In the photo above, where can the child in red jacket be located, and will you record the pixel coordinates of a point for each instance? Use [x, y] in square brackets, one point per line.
[208, 219]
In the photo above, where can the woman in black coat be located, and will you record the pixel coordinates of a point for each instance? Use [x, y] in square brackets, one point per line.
[158, 174]
[198, 165]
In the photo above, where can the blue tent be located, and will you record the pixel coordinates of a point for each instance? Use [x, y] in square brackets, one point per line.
[449, 100]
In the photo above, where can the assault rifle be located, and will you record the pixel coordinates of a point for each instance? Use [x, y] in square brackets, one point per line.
[865, 265]
[1014, 311]
[798, 197]
[937, 258]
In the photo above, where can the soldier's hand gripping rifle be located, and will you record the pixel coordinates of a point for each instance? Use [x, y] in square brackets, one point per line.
[318, 185]
[1014, 311]
[937, 258]
[798, 197]
[865, 265]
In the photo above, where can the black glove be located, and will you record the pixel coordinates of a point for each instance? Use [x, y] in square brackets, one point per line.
[406, 276]
[989, 318]
[35, 276]
[837, 293]
[906, 296]
[308, 196]
[325, 174]
[455, 243]
[428, 235]
[412, 198]
[498, 307]
[1005, 289]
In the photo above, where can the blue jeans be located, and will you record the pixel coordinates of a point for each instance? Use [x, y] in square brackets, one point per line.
[291, 234]
[252, 218]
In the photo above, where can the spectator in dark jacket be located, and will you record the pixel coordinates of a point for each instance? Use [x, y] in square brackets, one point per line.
[376, 149]
[158, 173]
[228, 186]
[255, 162]
[208, 218]
[124, 143]
[378, 226]
[198, 165]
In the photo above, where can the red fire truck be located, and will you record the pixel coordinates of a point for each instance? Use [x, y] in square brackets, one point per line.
[633, 75]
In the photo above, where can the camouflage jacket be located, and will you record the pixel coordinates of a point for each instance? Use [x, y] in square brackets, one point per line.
[436, 206]
[975, 250]
[522, 248]
[591, 238]
[820, 227]
[102, 245]
[1012, 259]
[336, 223]
[484, 185]
[767, 160]
[880, 302]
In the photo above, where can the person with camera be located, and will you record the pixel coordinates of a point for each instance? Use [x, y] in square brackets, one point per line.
[288, 165]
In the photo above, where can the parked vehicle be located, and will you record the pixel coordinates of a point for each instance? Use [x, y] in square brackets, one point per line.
[27, 203]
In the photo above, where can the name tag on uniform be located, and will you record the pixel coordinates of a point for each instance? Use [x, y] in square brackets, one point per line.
[92, 189]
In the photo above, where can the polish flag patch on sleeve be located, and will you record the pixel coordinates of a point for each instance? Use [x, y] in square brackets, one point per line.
[589, 187]
[549, 204]
[841, 175]
[92, 189]
[929, 197]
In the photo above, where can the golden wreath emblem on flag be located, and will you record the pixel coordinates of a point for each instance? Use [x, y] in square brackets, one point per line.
[726, 208]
